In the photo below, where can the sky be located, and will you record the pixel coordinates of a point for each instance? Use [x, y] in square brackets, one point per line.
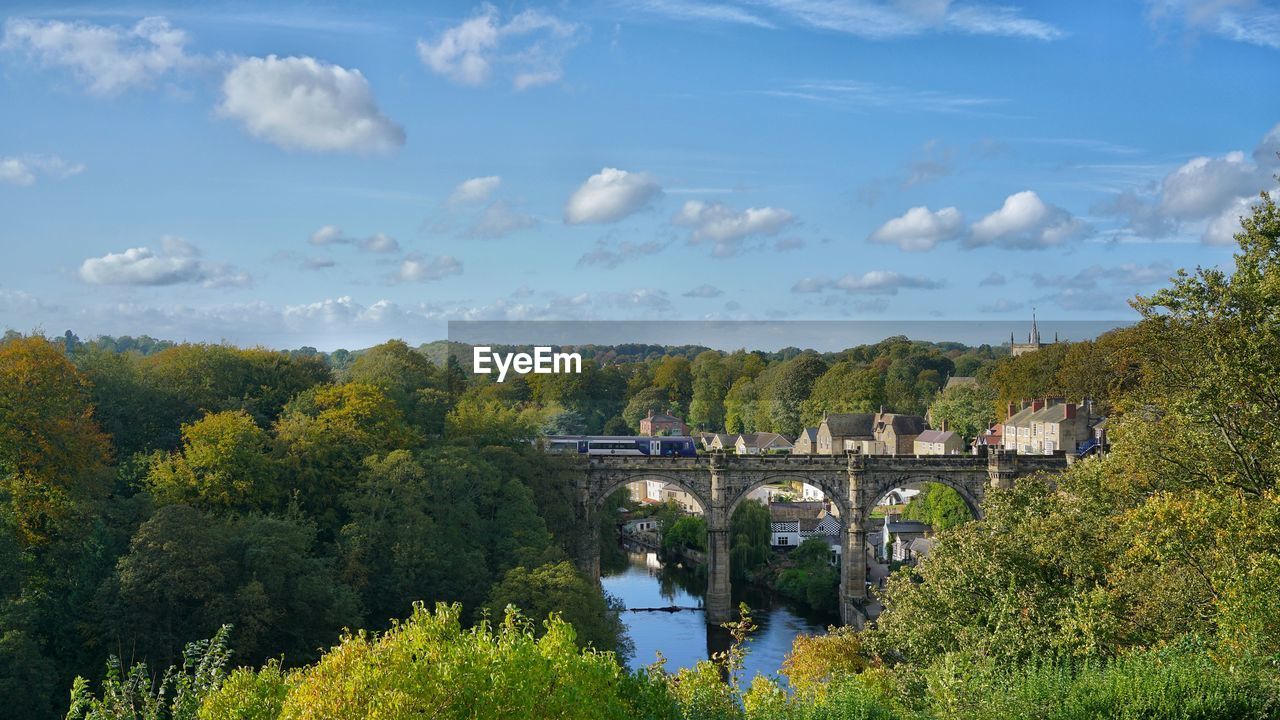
[335, 175]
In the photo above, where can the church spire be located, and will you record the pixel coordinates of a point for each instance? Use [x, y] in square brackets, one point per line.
[1035, 332]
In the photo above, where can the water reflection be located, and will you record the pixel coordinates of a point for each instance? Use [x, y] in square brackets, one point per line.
[683, 637]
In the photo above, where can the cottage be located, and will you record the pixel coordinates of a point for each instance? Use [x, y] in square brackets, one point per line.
[841, 431]
[807, 443]
[761, 443]
[705, 439]
[898, 432]
[785, 519]
[657, 423]
[723, 442]
[938, 442]
[992, 437]
[896, 536]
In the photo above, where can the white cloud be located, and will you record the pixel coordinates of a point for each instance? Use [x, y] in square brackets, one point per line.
[301, 103]
[995, 279]
[475, 190]
[499, 220]
[871, 19]
[24, 170]
[1222, 229]
[874, 282]
[1025, 222]
[333, 235]
[858, 95]
[176, 263]
[425, 269]
[468, 53]
[612, 254]
[107, 60]
[920, 229]
[1246, 21]
[610, 195]
[1205, 195]
[726, 228]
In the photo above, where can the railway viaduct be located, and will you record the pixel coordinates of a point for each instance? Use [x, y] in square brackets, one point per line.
[854, 483]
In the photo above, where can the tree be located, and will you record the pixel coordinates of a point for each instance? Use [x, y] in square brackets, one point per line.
[967, 410]
[655, 399]
[710, 383]
[941, 507]
[749, 540]
[225, 464]
[408, 378]
[52, 454]
[845, 387]
[559, 589]
[791, 389]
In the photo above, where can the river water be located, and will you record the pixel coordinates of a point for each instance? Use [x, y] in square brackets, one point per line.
[682, 637]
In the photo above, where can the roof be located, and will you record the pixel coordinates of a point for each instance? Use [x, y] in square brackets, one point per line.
[904, 424]
[850, 424]
[1022, 416]
[788, 511]
[764, 439]
[935, 436]
[921, 546]
[662, 417]
[908, 526]
[811, 433]
[1053, 413]
[959, 380]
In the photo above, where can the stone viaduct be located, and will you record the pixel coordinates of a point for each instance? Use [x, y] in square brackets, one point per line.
[854, 483]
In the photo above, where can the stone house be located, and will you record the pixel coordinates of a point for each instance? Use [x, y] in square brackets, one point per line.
[938, 442]
[657, 423]
[807, 443]
[898, 432]
[761, 443]
[841, 431]
[1047, 425]
[896, 536]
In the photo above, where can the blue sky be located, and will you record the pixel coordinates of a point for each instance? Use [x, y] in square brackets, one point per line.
[334, 175]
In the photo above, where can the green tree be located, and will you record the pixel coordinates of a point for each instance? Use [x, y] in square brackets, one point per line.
[225, 463]
[749, 539]
[967, 410]
[559, 589]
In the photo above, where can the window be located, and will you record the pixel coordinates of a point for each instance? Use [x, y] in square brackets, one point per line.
[784, 540]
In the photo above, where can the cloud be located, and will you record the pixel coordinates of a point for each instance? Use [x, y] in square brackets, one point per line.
[332, 235]
[427, 269]
[726, 228]
[858, 96]
[870, 19]
[468, 53]
[995, 279]
[1255, 23]
[475, 190]
[936, 160]
[1206, 195]
[300, 103]
[24, 170]
[610, 195]
[704, 291]
[1025, 222]
[874, 282]
[612, 254]
[107, 60]
[1102, 287]
[176, 263]
[789, 244]
[920, 229]
[499, 220]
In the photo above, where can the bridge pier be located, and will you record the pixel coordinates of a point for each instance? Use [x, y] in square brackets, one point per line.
[719, 600]
[587, 557]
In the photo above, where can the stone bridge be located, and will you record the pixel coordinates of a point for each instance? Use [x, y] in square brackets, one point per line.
[854, 483]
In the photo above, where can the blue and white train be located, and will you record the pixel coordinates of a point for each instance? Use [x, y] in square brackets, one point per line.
[675, 446]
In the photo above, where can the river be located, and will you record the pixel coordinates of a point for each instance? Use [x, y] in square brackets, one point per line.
[683, 637]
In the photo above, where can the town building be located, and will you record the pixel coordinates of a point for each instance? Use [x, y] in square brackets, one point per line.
[898, 432]
[761, 443]
[938, 442]
[896, 536]
[1047, 425]
[723, 442]
[785, 519]
[841, 431]
[658, 423]
[807, 443]
[1033, 340]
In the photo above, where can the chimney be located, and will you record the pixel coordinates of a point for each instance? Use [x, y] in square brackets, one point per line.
[1026, 404]
[1069, 411]
[1013, 407]
[1037, 404]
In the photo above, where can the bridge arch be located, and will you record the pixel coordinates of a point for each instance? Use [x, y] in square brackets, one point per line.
[619, 483]
[969, 489]
[831, 490]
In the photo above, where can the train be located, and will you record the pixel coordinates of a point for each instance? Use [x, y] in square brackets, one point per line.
[674, 446]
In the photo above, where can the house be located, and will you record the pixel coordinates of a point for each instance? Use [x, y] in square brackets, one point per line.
[761, 443]
[680, 497]
[646, 491]
[827, 529]
[938, 442]
[807, 443]
[656, 423]
[705, 439]
[842, 431]
[991, 437]
[1047, 425]
[896, 536]
[646, 524]
[898, 432]
[785, 518]
[722, 441]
